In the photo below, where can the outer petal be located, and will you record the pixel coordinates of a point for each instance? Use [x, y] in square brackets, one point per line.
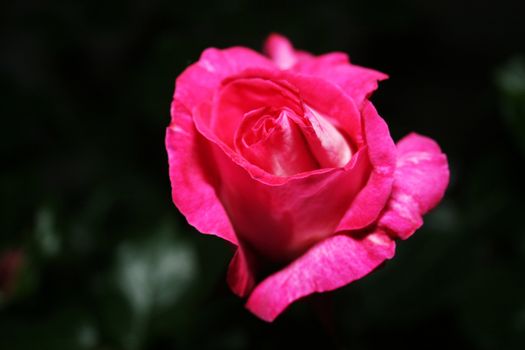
[191, 173]
[421, 178]
[358, 82]
[282, 52]
[329, 265]
[199, 81]
[192, 177]
[369, 203]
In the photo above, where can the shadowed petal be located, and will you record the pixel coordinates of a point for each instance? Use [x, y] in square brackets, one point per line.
[240, 276]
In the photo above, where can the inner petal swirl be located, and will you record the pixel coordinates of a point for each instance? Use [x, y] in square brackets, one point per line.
[283, 143]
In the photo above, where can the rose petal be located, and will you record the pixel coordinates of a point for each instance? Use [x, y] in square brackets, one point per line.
[335, 67]
[192, 176]
[281, 150]
[330, 264]
[191, 181]
[240, 277]
[324, 97]
[199, 81]
[329, 146]
[281, 222]
[239, 96]
[369, 203]
[282, 52]
[421, 178]
[358, 82]
[330, 101]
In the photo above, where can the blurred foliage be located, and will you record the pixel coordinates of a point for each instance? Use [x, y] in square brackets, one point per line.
[511, 81]
[108, 263]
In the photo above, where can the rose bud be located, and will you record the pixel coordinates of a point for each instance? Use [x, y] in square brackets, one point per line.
[286, 158]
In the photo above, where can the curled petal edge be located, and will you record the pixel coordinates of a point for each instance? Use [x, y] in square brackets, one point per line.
[420, 181]
[192, 191]
[331, 264]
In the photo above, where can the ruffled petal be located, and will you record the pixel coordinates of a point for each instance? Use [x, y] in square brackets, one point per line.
[421, 178]
[356, 81]
[199, 81]
[329, 265]
[192, 177]
[371, 200]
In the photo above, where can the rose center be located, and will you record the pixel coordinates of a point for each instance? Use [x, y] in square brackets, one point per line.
[283, 143]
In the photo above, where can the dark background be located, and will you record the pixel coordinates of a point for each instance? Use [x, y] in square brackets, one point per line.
[101, 259]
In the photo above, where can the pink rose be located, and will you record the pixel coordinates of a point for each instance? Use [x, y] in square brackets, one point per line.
[285, 157]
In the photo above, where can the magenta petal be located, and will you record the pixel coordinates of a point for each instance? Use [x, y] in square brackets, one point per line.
[329, 100]
[192, 190]
[275, 144]
[240, 96]
[329, 265]
[369, 203]
[327, 144]
[240, 276]
[280, 51]
[199, 81]
[421, 178]
[281, 221]
[357, 82]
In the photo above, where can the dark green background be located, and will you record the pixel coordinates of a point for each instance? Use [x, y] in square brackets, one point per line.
[109, 263]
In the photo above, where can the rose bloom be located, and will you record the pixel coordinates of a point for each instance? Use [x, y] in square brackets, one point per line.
[285, 157]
